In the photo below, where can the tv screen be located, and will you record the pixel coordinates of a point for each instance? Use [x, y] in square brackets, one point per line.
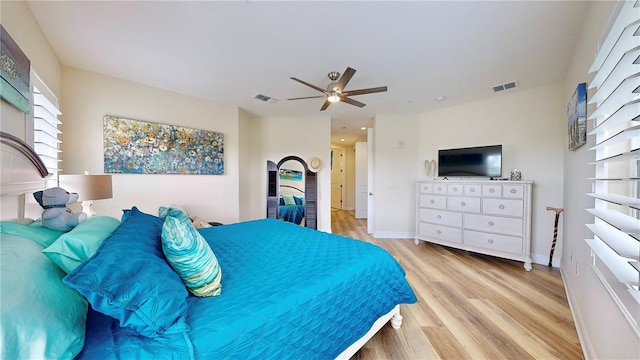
[474, 161]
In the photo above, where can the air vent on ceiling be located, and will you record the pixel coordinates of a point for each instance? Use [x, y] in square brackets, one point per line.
[506, 86]
[265, 98]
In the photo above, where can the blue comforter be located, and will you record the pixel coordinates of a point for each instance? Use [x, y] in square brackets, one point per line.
[288, 293]
[291, 213]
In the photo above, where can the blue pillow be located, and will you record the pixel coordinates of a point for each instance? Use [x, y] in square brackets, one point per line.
[191, 257]
[129, 279]
[298, 200]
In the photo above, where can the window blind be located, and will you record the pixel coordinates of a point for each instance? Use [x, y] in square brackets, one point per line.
[615, 246]
[46, 126]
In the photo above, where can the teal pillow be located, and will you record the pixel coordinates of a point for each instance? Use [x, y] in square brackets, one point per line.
[191, 257]
[79, 244]
[41, 317]
[37, 233]
[288, 200]
[174, 211]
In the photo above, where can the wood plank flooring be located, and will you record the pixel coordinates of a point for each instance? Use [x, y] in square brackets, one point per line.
[470, 306]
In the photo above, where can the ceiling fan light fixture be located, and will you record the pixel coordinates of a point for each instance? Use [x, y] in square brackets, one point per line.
[334, 97]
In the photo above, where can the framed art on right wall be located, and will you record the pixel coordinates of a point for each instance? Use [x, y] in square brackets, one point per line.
[577, 117]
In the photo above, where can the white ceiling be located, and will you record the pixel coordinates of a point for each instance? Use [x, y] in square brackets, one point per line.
[230, 51]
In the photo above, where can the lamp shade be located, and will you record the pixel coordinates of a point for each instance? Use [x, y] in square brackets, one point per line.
[88, 187]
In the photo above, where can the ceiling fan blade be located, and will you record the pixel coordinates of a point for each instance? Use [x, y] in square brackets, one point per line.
[325, 105]
[309, 85]
[307, 97]
[344, 79]
[365, 91]
[343, 98]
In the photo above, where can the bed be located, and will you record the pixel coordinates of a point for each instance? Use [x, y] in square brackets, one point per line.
[291, 204]
[287, 291]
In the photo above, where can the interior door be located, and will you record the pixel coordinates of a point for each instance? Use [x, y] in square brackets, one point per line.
[362, 190]
[337, 174]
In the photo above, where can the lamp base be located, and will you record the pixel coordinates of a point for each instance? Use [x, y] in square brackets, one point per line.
[87, 208]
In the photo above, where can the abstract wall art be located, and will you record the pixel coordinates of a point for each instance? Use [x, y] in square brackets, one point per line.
[140, 147]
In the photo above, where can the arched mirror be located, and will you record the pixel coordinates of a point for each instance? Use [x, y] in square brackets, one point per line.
[292, 192]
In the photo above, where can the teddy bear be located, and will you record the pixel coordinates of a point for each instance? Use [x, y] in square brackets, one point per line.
[56, 216]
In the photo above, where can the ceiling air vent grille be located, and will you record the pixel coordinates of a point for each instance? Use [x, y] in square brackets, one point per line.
[265, 98]
[506, 86]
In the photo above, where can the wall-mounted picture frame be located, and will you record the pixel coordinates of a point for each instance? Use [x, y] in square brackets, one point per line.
[141, 147]
[577, 117]
[15, 75]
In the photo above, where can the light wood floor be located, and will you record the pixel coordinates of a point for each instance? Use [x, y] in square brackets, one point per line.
[470, 306]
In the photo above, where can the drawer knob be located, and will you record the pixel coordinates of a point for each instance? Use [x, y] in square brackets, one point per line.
[472, 190]
[463, 203]
[439, 188]
[439, 217]
[513, 191]
[491, 190]
[490, 241]
[439, 232]
[491, 223]
[501, 207]
[432, 201]
[455, 189]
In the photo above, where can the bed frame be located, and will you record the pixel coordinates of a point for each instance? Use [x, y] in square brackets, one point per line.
[22, 173]
[18, 179]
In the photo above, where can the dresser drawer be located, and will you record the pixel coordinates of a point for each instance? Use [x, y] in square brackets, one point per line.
[433, 201]
[454, 189]
[510, 244]
[494, 224]
[473, 190]
[452, 235]
[492, 190]
[425, 188]
[440, 217]
[467, 204]
[503, 207]
[513, 191]
[439, 188]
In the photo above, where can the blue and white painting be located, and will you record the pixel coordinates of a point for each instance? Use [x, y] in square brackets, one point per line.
[140, 147]
[577, 117]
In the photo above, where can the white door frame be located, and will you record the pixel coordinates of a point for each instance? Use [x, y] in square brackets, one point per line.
[370, 182]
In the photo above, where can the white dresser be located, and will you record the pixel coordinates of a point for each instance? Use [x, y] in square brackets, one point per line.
[488, 217]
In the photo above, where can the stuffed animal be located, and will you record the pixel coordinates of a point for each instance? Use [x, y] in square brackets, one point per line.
[56, 216]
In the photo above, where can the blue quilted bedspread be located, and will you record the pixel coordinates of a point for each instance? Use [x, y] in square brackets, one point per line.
[288, 292]
[291, 213]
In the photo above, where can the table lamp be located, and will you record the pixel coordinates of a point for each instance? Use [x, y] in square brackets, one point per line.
[89, 188]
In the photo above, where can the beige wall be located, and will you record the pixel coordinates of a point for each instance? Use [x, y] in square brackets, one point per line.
[396, 152]
[88, 96]
[604, 332]
[530, 125]
[274, 138]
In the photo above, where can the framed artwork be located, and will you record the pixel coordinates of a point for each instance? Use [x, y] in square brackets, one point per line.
[577, 117]
[288, 174]
[140, 147]
[14, 73]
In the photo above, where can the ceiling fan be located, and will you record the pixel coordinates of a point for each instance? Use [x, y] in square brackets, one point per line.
[335, 91]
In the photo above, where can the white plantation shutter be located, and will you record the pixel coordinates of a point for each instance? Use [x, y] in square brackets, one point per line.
[45, 126]
[615, 246]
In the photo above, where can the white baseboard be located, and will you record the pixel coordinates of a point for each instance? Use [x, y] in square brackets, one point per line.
[581, 329]
[393, 235]
[544, 260]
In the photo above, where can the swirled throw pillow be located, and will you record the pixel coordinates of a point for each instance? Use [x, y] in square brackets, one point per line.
[191, 257]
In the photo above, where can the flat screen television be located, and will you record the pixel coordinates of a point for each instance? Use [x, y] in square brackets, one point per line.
[485, 161]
